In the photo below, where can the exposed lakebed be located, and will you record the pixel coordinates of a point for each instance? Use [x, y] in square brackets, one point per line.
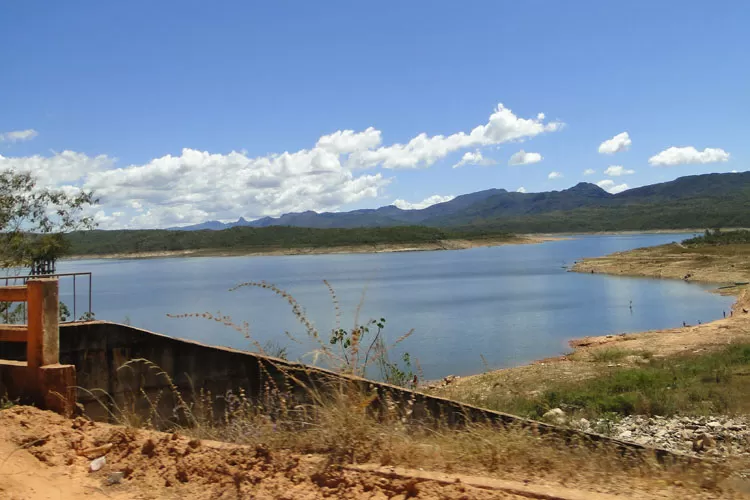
[509, 304]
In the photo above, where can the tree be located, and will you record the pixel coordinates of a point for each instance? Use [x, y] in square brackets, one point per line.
[33, 220]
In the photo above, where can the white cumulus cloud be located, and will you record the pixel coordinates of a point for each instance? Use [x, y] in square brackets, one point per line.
[688, 155]
[620, 142]
[589, 171]
[617, 171]
[610, 186]
[474, 158]
[196, 185]
[58, 169]
[524, 158]
[423, 150]
[521, 190]
[349, 141]
[554, 175]
[18, 135]
[192, 186]
[427, 202]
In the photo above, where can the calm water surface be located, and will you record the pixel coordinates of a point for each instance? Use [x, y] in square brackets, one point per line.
[510, 304]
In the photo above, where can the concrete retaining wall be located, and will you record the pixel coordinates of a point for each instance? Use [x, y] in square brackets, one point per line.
[110, 380]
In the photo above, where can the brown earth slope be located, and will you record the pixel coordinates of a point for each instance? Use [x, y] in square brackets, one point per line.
[44, 456]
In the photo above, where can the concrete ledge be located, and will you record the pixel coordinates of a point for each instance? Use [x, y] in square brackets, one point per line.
[51, 387]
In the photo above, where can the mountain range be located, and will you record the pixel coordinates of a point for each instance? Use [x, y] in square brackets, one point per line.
[692, 201]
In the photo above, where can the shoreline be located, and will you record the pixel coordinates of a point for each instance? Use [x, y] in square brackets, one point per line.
[669, 261]
[458, 244]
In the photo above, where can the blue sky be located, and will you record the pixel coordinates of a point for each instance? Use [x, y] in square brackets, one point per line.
[178, 112]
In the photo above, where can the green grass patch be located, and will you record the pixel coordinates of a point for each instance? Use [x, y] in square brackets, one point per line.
[716, 382]
[609, 355]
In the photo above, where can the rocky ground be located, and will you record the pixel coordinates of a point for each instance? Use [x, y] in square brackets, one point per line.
[717, 436]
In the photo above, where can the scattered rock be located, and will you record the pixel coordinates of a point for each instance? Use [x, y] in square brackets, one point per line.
[716, 436]
[97, 464]
[115, 478]
[584, 424]
[555, 416]
[625, 435]
[703, 442]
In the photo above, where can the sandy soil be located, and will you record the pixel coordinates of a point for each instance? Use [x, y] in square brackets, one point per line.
[385, 248]
[720, 265]
[44, 456]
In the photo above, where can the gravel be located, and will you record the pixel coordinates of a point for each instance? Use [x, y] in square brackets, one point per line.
[716, 436]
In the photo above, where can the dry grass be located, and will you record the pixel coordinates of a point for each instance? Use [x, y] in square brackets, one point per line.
[337, 423]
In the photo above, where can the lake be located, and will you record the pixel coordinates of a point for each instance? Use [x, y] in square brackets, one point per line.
[509, 304]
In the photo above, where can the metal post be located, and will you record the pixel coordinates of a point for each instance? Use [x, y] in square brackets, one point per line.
[74, 298]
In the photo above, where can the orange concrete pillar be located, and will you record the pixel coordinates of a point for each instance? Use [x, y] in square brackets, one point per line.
[43, 342]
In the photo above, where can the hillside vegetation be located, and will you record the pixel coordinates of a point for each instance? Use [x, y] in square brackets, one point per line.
[717, 237]
[710, 200]
[249, 238]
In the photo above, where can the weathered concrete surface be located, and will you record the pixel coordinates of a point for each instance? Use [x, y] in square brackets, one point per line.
[44, 313]
[125, 369]
[37, 377]
[52, 387]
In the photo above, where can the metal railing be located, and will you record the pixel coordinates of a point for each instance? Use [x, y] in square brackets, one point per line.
[76, 279]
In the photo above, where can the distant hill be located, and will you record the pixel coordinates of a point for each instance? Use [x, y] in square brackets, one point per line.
[387, 216]
[692, 201]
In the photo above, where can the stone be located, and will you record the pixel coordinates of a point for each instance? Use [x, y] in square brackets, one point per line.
[556, 416]
[115, 478]
[625, 435]
[97, 464]
[703, 442]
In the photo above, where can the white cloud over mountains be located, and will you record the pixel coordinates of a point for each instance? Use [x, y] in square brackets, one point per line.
[524, 158]
[688, 155]
[427, 202]
[617, 171]
[194, 185]
[589, 171]
[18, 135]
[620, 142]
[610, 186]
[554, 175]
